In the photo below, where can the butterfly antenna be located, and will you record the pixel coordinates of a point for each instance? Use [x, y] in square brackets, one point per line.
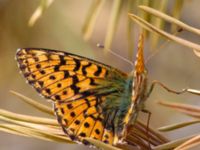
[157, 50]
[115, 54]
[162, 45]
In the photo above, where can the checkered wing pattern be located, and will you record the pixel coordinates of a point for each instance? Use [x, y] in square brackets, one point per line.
[79, 88]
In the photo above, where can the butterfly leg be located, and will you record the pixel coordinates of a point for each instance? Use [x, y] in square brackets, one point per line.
[186, 90]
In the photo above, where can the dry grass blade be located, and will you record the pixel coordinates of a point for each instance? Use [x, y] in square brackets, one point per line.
[135, 137]
[101, 144]
[197, 53]
[143, 14]
[3, 127]
[139, 135]
[178, 125]
[26, 118]
[193, 91]
[184, 108]
[172, 144]
[152, 28]
[45, 128]
[91, 18]
[130, 37]
[112, 26]
[39, 11]
[42, 128]
[153, 134]
[189, 144]
[157, 22]
[169, 19]
[40, 134]
[49, 128]
[146, 3]
[33, 103]
[177, 12]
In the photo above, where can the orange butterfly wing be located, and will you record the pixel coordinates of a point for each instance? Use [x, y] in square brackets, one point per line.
[80, 89]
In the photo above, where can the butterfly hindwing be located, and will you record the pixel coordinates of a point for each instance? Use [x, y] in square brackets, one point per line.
[85, 92]
[82, 118]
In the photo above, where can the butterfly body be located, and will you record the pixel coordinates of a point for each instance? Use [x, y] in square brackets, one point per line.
[90, 99]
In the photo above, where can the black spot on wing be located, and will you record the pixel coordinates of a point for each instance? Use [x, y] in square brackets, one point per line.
[36, 59]
[38, 66]
[72, 114]
[85, 142]
[57, 97]
[82, 134]
[48, 91]
[59, 85]
[22, 66]
[52, 77]
[97, 131]
[92, 82]
[66, 74]
[75, 79]
[62, 60]
[75, 88]
[64, 92]
[87, 102]
[56, 68]
[42, 72]
[77, 122]
[86, 125]
[41, 83]
[78, 65]
[84, 68]
[99, 70]
[69, 106]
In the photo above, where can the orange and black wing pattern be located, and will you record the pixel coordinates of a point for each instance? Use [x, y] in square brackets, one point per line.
[90, 98]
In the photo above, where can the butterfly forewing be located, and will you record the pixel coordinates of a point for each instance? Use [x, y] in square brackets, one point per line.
[84, 91]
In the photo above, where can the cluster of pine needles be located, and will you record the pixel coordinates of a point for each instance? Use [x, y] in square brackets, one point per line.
[139, 134]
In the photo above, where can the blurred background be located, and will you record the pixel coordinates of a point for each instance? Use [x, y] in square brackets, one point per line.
[60, 27]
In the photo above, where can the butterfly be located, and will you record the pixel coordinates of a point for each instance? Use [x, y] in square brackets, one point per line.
[90, 99]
